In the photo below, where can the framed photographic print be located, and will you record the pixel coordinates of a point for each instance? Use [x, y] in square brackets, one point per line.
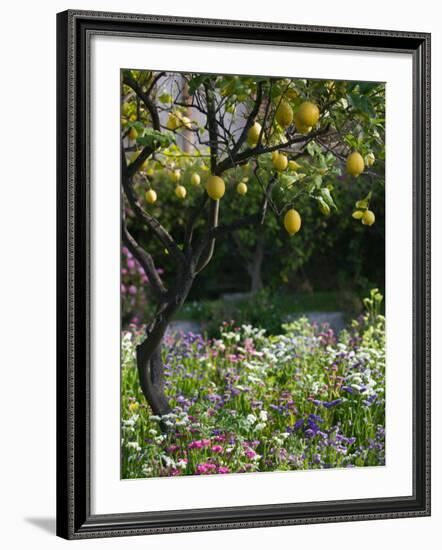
[243, 274]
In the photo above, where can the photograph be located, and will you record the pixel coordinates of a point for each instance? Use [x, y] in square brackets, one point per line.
[252, 284]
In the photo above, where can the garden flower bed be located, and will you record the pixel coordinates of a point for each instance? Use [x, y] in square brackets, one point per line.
[248, 402]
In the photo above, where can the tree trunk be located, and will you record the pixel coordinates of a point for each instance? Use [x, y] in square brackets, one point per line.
[254, 268]
[149, 360]
[151, 375]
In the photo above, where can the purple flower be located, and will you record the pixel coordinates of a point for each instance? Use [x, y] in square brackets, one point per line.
[328, 404]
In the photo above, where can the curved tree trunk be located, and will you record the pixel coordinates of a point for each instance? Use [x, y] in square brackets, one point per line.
[149, 360]
[151, 375]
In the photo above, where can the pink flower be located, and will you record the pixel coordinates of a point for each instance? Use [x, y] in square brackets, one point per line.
[195, 444]
[223, 470]
[132, 290]
[123, 289]
[217, 448]
[175, 472]
[130, 264]
[250, 453]
[172, 448]
[205, 468]
[199, 443]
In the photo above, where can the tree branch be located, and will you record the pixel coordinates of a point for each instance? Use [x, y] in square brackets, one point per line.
[145, 260]
[205, 253]
[211, 128]
[144, 217]
[150, 105]
[250, 121]
[241, 158]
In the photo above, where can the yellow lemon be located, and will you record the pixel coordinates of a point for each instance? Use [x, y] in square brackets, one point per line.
[274, 154]
[293, 165]
[195, 179]
[324, 208]
[369, 159]
[215, 187]
[357, 214]
[241, 188]
[253, 134]
[150, 172]
[291, 93]
[355, 164]
[292, 221]
[368, 218]
[125, 109]
[151, 196]
[280, 162]
[180, 191]
[284, 114]
[175, 176]
[133, 134]
[308, 114]
[172, 122]
[302, 129]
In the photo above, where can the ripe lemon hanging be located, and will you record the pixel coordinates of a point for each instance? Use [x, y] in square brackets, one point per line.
[280, 162]
[175, 176]
[172, 122]
[215, 187]
[133, 134]
[151, 196]
[180, 191]
[284, 114]
[292, 221]
[302, 129]
[308, 114]
[195, 179]
[253, 134]
[368, 218]
[241, 188]
[355, 164]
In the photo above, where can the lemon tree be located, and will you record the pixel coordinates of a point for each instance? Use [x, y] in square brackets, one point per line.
[194, 146]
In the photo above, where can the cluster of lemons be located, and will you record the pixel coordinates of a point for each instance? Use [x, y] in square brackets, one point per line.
[305, 118]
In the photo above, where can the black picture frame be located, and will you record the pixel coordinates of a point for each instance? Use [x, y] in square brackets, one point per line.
[74, 518]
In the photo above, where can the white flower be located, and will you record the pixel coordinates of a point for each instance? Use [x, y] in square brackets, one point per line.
[133, 445]
[259, 427]
[251, 418]
[168, 462]
[263, 416]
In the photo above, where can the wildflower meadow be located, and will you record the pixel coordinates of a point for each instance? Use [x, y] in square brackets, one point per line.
[248, 402]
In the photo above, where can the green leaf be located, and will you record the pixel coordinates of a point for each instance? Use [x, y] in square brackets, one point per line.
[165, 97]
[155, 139]
[326, 195]
[195, 82]
[317, 180]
